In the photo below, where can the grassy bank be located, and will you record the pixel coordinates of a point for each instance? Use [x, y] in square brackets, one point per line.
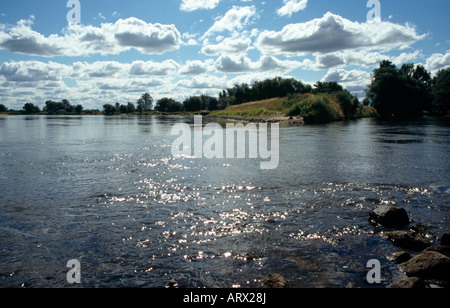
[313, 108]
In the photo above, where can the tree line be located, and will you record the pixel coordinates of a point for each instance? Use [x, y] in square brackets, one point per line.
[394, 91]
[408, 90]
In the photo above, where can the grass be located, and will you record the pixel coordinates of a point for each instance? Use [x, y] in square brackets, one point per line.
[314, 108]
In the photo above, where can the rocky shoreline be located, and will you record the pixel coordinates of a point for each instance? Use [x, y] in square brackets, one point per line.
[282, 120]
[425, 263]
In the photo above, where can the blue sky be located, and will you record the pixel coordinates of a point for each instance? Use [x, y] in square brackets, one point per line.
[178, 48]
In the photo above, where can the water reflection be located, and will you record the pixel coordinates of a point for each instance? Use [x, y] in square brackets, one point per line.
[107, 191]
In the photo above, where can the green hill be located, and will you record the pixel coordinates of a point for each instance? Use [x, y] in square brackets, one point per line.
[313, 108]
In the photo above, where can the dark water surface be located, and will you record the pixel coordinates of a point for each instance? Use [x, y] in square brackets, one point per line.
[107, 192]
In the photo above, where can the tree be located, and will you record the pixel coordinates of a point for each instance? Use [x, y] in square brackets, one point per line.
[145, 103]
[327, 87]
[78, 109]
[400, 92]
[109, 109]
[194, 103]
[29, 108]
[131, 107]
[3, 108]
[441, 92]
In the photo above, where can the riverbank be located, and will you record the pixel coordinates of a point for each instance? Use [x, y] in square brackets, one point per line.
[298, 110]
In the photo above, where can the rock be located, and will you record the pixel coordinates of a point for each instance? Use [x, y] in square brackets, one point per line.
[389, 216]
[428, 265]
[445, 250]
[409, 283]
[351, 285]
[274, 281]
[399, 257]
[445, 239]
[420, 228]
[171, 284]
[407, 240]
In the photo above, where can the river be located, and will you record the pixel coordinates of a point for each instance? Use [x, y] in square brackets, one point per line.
[107, 192]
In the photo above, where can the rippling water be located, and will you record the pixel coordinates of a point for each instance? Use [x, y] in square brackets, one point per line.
[107, 192]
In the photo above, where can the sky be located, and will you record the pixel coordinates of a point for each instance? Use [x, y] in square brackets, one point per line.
[114, 51]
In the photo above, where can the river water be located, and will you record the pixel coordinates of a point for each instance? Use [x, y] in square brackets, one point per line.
[107, 192]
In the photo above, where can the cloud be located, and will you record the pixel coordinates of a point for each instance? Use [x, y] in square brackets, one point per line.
[354, 81]
[80, 40]
[355, 57]
[194, 68]
[235, 19]
[228, 46]
[333, 33]
[33, 71]
[150, 68]
[193, 5]
[438, 61]
[242, 64]
[292, 6]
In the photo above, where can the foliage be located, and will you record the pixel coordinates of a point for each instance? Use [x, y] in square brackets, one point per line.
[270, 88]
[3, 108]
[202, 102]
[145, 103]
[29, 108]
[398, 92]
[441, 92]
[168, 105]
[109, 109]
[316, 109]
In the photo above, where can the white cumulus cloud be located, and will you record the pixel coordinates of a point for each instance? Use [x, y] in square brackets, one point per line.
[292, 6]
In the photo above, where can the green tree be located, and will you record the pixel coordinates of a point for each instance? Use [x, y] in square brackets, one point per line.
[29, 108]
[400, 92]
[145, 103]
[194, 103]
[109, 109]
[163, 104]
[441, 92]
[78, 109]
[3, 108]
[131, 107]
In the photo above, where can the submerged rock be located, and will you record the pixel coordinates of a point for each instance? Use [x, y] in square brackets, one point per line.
[407, 240]
[274, 281]
[409, 283]
[445, 239]
[428, 265]
[389, 216]
[399, 257]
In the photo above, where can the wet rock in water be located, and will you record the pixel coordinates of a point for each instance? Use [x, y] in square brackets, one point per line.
[274, 281]
[171, 284]
[409, 283]
[428, 265]
[445, 250]
[399, 257]
[389, 216]
[407, 240]
[445, 239]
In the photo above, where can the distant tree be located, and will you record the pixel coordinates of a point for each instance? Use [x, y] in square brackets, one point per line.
[145, 103]
[194, 103]
[131, 108]
[78, 109]
[109, 109]
[327, 87]
[174, 107]
[29, 108]
[123, 108]
[3, 108]
[163, 103]
[441, 92]
[405, 91]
